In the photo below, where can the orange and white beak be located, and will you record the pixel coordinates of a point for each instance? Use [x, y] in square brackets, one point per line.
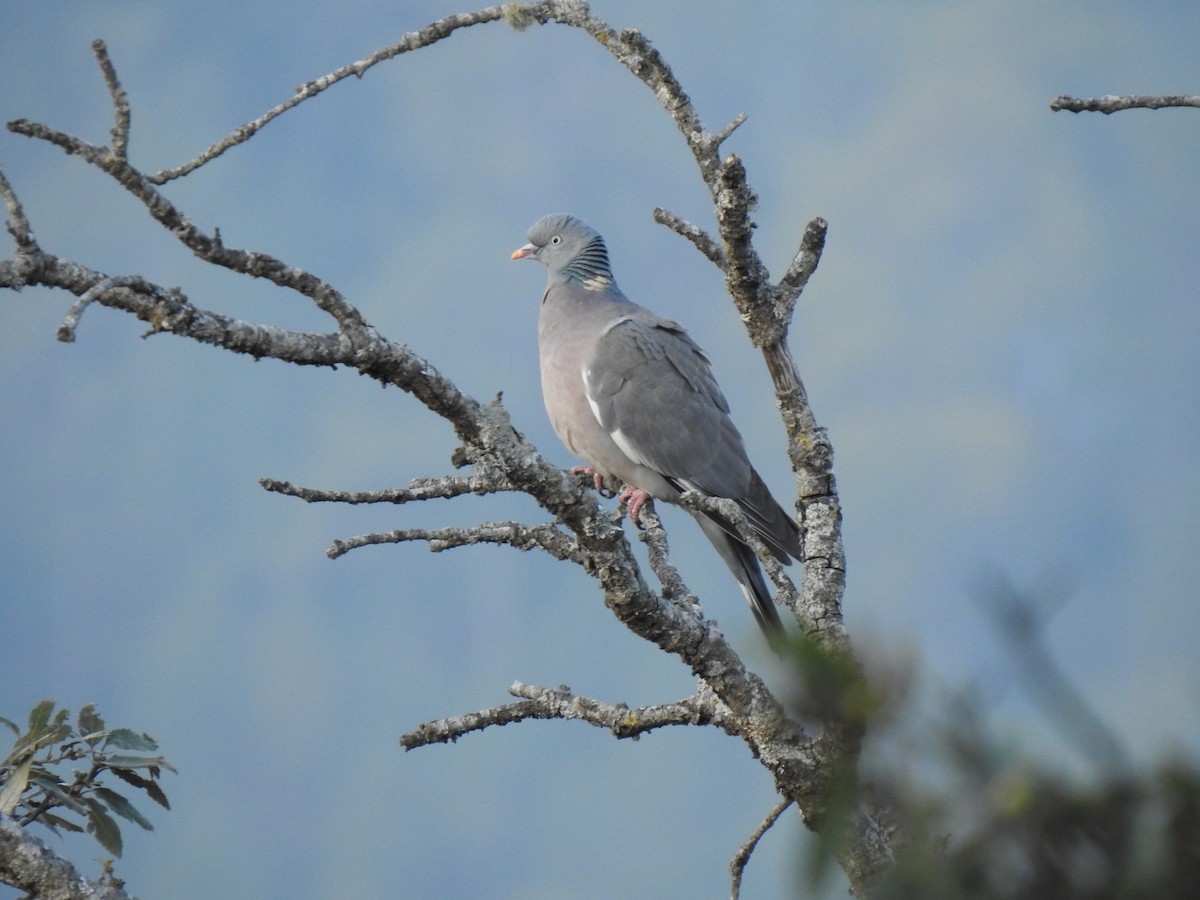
[522, 252]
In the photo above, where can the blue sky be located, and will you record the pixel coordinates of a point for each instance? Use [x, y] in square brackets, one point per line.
[1001, 340]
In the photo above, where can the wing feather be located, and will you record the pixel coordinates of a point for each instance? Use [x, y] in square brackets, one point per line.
[651, 388]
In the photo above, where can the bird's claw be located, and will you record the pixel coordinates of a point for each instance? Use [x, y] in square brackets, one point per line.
[634, 499]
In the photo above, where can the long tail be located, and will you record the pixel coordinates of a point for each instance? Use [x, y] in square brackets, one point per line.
[744, 565]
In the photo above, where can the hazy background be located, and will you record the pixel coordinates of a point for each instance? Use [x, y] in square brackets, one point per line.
[1001, 339]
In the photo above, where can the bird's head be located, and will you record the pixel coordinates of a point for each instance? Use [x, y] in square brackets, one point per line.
[570, 249]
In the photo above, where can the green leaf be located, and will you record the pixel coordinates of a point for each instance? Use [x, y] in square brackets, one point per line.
[149, 785]
[90, 723]
[158, 795]
[136, 762]
[11, 724]
[60, 731]
[14, 787]
[20, 752]
[128, 739]
[42, 732]
[51, 785]
[39, 717]
[123, 807]
[103, 827]
[52, 821]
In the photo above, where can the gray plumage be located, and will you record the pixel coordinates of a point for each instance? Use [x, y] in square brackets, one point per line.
[634, 397]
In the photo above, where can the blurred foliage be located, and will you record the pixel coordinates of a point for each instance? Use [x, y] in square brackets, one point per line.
[35, 788]
[976, 817]
[1033, 834]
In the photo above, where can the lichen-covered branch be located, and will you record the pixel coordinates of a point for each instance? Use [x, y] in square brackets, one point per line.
[702, 708]
[28, 864]
[445, 487]
[514, 534]
[698, 236]
[1109, 103]
[121, 113]
[654, 537]
[18, 226]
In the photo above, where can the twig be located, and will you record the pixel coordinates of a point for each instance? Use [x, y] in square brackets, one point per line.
[635, 52]
[746, 277]
[515, 534]
[120, 100]
[702, 708]
[654, 536]
[18, 224]
[419, 489]
[698, 236]
[804, 264]
[737, 865]
[1109, 103]
[66, 330]
[208, 247]
[450, 729]
[414, 40]
[723, 135]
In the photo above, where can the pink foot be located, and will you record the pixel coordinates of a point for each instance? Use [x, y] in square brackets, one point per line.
[634, 499]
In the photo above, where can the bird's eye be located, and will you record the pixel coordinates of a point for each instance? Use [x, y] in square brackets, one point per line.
[556, 240]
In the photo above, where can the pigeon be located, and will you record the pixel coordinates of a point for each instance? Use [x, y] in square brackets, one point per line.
[634, 397]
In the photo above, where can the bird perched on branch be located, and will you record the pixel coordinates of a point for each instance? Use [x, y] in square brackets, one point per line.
[634, 397]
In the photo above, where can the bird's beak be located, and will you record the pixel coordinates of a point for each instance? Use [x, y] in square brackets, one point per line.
[522, 252]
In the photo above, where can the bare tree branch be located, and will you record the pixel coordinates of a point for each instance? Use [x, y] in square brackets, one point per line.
[737, 865]
[514, 534]
[804, 264]
[66, 331]
[704, 243]
[702, 708]
[207, 247]
[120, 130]
[445, 487]
[430, 34]
[28, 864]
[723, 135]
[1109, 103]
[655, 538]
[18, 226]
